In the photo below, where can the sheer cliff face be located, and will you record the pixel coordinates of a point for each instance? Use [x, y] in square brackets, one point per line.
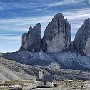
[82, 39]
[57, 35]
[31, 41]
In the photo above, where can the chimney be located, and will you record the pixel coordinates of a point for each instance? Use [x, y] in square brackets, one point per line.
[41, 74]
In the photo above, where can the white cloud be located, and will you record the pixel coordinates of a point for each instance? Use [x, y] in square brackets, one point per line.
[64, 2]
[22, 24]
[35, 7]
[75, 18]
[9, 43]
[10, 37]
[31, 6]
[78, 13]
[12, 42]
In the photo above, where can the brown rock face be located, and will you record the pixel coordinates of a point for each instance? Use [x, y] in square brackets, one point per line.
[82, 39]
[57, 35]
[31, 41]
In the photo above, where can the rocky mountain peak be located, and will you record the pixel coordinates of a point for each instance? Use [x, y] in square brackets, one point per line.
[30, 28]
[82, 38]
[59, 16]
[87, 21]
[31, 41]
[37, 27]
[57, 35]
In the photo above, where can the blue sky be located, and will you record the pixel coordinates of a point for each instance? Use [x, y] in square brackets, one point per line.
[17, 15]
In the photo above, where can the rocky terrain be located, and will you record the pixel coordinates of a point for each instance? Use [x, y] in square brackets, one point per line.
[82, 39]
[31, 41]
[55, 52]
[12, 70]
[64, 60]
[57, 36]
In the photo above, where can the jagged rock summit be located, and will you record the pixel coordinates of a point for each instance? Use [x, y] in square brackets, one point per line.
[31, 41]
[57, 35]
[82, 39]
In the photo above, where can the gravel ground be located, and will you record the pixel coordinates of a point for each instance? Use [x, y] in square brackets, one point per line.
[65, 85]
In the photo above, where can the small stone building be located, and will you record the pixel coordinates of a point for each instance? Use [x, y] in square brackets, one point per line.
[44, 81]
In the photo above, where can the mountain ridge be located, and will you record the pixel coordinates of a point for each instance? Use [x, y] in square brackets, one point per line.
[14, 70]
[55, 48]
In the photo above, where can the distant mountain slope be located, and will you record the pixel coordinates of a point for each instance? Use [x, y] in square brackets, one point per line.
[51, 64]
[58, 65]
[64, 60]
[11, 70]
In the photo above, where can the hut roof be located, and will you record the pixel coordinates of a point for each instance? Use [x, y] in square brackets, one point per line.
[48, 78]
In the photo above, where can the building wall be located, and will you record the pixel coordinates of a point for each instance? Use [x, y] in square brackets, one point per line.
[42, 84]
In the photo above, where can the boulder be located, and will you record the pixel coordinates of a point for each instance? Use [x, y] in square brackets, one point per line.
[57, 35]
[82, 39]
[31, 41]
